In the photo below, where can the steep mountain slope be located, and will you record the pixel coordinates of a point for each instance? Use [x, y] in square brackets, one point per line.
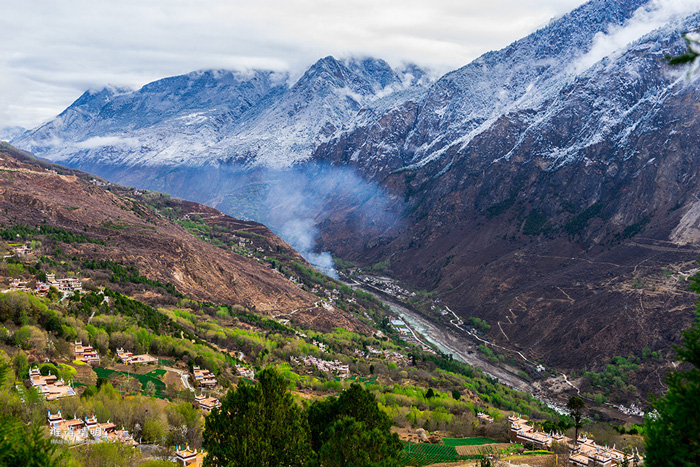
[559, 218]
[120, 227]
[217, 117]
[548, 187]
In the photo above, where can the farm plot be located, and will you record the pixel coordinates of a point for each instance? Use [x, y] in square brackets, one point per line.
[467, 441]
[426, 454]
[495, 448]
[150, 377]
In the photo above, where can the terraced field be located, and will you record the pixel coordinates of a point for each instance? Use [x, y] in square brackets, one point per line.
[426, 454]
[467, 441]
[470, 450]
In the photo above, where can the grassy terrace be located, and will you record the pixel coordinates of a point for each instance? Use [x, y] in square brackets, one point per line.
[467, 441]
[152, 377]
[426, 454]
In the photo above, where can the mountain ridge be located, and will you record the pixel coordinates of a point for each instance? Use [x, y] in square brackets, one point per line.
[466, 186]
[127, 227]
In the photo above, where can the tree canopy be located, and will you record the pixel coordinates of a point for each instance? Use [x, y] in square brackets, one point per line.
[257, 426]
[352, 430]
[261, 425]
[25, 445]
[673, 431]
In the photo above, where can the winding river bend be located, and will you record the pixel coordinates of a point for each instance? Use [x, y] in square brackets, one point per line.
[462, 346]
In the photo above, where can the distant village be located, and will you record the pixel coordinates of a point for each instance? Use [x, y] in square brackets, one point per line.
[90, 429]
[332, 367]
[585, 451]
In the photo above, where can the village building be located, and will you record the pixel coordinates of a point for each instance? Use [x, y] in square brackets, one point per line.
[205, 378]
[67, 285]
[131, 359]
[25, 249]
[189, 458]
[521, 432]
[588, 453]
[50, 386]
[335, 367]
[79, 431]
[85, 353]
[484, 417]
[245, 372]
[41, 288]
[207, 404]
[19, 285]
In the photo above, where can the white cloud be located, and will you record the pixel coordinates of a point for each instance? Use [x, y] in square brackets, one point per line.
[102, 141]
[50, 52]
[645, 20]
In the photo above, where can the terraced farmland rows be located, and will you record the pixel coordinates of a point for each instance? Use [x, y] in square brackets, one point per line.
[425, 454]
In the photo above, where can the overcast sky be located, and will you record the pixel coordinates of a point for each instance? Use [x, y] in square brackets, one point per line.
[52, 51]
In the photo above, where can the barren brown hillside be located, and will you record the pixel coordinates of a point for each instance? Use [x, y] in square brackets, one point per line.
[35, 194]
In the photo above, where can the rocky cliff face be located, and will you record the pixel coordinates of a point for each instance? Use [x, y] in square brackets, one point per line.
[548, 187]
[254, 119]
[557, 212]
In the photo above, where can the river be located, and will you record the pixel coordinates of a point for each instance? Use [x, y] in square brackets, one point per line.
[460, 345]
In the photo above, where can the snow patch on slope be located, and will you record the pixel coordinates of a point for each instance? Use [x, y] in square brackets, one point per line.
[645, 20]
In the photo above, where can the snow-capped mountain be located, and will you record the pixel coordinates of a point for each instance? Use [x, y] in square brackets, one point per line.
[211, 117]
[527, 85]
[530, 187]
[9, 133]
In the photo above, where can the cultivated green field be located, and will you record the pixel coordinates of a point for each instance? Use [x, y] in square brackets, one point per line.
[467, 441]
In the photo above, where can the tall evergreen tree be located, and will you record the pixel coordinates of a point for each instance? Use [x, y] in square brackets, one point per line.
[351, 430]
[673, 432]
[576, 406]
[27, 445]
[257, 426]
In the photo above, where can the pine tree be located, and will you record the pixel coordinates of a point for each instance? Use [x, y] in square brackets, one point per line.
[673, 431]
[576, 405]
[351, 430]
[258, 426]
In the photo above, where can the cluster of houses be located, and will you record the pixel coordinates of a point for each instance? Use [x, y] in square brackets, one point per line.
[207, 404]
[484, 418]
[50, 386]
[408, 335]
[79, 431]
[586, 452]
[20, 285]
[25, 249]
[323, 347]
[67, 285]
[333, 367]
[131, 359]
[391, 355]
[521, 432]
[204, 378]
[85, 353]
[388, 286]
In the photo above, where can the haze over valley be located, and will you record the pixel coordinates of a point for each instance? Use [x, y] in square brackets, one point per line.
[530, 220]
